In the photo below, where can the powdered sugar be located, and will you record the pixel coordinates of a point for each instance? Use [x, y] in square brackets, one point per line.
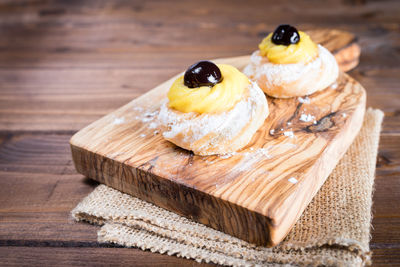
[289, 134]
[138, 109]
[295, 78]
[305, 100]
[279, 74]
[306, 117]
[153, 125]
[249, 158]
[138, 114]
[118, 121]
[263, 152]
[227, 155]
[148, 116]
[225, 125]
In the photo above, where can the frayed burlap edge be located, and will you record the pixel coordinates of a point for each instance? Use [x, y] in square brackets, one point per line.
[132, 222]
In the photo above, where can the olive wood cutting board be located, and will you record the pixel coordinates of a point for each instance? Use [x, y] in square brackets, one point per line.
[256, 194]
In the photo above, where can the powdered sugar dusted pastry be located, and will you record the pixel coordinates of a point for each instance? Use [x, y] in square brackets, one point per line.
[213, 109]
[288, 63]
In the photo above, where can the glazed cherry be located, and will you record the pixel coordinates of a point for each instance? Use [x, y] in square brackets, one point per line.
[285, 35]
[202, 73]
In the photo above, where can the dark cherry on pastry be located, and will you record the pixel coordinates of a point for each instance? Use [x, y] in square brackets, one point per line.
[285, 35]
[202, 73]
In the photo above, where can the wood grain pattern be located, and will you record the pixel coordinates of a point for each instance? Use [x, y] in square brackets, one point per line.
[100, 256]
[248, 195]
[342, 44]
[50, 52]
[39, 187]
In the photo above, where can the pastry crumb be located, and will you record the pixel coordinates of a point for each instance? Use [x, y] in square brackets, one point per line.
[118, 121]
[288, 134]
[304, 100]
[306, 117]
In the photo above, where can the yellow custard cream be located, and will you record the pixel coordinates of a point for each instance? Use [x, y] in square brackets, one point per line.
[205, 99]
[304, 51]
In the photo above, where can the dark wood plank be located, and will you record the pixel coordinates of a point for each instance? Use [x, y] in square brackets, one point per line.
[385, 256]
[81, 256]
[202, 192]
[39, 187]
[32, 102]
[51, 52]
[64, 64]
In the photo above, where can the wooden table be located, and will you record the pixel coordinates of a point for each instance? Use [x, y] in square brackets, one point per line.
[63, 64]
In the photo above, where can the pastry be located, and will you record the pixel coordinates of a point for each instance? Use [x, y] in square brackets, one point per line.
[288, 64]
[212, 109]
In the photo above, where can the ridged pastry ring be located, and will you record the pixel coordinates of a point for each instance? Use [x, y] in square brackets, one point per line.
[290, 80]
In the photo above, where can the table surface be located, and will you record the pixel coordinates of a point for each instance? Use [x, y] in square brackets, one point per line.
[64, 64]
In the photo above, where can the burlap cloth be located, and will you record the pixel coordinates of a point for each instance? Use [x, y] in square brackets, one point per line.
[334, 230]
